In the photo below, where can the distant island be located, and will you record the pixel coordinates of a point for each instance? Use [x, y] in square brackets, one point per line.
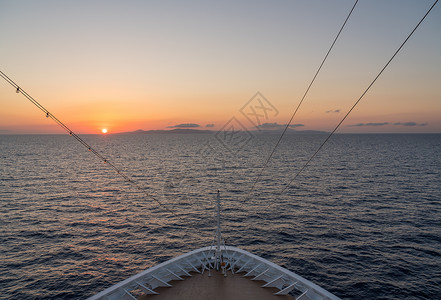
[176, 130]
[289, 131]
[201, 131]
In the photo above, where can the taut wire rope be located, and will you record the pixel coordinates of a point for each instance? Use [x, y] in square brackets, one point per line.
[88, 147]
[358, 100]
[301, 101]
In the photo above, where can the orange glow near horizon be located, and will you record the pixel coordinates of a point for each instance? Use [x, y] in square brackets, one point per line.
[149, 72]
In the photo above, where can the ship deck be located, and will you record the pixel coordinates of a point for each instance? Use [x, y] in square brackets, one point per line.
[187, 277]
[216, 287]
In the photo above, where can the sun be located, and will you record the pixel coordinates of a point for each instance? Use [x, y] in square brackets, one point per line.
[104, 130]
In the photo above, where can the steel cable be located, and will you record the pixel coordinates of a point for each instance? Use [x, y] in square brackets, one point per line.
[359, 99]
[301, 101]
[86, 145]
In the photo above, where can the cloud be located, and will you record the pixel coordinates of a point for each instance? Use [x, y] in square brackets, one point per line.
[333, 111]
[185, 125]
[407, 124]
[295, 125]
[209, 125]
[370, 124]
[410, 124]
[277, 126]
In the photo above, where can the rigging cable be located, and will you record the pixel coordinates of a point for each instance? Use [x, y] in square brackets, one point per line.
[359, 99]
[301, 101]
[85, 144]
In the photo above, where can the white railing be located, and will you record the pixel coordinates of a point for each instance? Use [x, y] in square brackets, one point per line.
[200, 260]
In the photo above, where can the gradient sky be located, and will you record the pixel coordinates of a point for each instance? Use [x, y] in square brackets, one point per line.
[128, 65]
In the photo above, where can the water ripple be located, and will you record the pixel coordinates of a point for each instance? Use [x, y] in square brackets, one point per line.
[363, 220]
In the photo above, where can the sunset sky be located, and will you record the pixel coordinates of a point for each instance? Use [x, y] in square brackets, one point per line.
[128, 65]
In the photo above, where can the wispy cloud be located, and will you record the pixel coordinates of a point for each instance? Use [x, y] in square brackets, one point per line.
[185, 125]
[411, 124]
[277, 126]
[333, 111]
[296, 125]
[209, 125]
[370, 124]
[407, 124]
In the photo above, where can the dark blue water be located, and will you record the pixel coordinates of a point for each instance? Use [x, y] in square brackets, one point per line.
[362, 221]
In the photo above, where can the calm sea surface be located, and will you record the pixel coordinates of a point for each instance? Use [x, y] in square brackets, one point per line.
[363, 220]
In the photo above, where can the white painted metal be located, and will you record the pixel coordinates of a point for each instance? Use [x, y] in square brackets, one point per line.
[183, 270]
[161, 281]
[192, 266]
[234, 264]
[130, 295]
[160, 275]
[244, 265]
[276, 282]
[303, 296]
[218, 233]
[287, 289]
[259, 277]
[177, 277]
[146, 289]
[253, 270]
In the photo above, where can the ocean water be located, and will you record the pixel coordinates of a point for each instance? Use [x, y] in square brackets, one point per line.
[363, 220]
